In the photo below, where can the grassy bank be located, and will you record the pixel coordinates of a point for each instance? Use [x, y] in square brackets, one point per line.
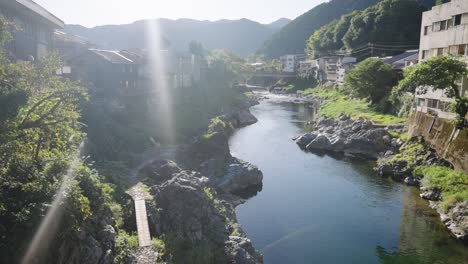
[337, 102]
[453, 184]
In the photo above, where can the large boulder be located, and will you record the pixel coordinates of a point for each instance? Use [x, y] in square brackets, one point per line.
[245, 118]
[190, 214]
[305, 139]
[369, 143]
[159, 171]
[321, 142]
[239, 176]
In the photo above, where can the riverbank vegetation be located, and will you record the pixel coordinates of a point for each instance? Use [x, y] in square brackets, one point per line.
[453, 184]
[336, 102]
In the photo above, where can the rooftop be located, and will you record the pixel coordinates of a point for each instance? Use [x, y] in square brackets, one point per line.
[32, 6]
[401, 56]
[117, 57]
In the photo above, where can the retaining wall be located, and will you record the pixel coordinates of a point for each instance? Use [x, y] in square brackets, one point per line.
[442, 135]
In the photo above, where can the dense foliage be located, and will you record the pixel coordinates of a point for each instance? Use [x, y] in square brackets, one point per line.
[291, 39]
[39, 136]
[438, 73]
[371, 79]
[394, 23]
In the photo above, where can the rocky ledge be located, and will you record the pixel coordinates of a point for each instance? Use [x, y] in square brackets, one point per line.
[196, 224]
[199, 200]
[402, 169]
[456, 219]
[357, 137]
[400, 166]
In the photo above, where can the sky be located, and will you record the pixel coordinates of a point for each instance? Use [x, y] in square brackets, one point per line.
[91, 13]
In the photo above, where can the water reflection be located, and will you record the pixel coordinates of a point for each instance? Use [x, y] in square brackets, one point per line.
[423, 237]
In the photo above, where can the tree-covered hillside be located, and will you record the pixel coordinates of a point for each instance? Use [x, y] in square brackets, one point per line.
[395, 24]
[293, 37]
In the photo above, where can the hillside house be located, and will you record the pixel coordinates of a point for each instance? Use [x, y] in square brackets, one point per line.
[36, 25]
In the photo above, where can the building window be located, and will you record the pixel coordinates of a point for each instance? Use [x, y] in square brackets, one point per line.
[436, 26]
[440, 51]
[432, 103]
[450, 23]
[461, 50]
[443, 25]
[457, 20]
[425, 54]
[426, 30]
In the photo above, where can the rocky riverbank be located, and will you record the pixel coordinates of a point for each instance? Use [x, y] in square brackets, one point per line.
[354, 137]
[401, 166]
[195, 222]
[194, 199]
[395, 158]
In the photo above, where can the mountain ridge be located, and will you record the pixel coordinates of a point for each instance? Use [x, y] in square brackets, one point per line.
[242, 36]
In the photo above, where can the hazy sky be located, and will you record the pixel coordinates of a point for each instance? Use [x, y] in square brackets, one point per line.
[100, 12]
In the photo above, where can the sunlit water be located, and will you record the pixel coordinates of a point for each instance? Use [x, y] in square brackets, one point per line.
[318, 209]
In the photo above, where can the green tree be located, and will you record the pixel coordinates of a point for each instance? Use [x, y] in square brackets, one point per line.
[372, 79]
[438, 73]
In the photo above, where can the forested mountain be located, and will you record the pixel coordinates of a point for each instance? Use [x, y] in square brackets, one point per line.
[241, 36]
[280, 23]
[292, 38]
[394, 25]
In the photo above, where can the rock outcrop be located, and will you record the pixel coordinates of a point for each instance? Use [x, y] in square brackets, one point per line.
[210, 155]
[401, 161]
[456, 219]
[359, 137]
[196, 224]
[239, 176]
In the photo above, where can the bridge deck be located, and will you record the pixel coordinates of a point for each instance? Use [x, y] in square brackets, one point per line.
[144, 237]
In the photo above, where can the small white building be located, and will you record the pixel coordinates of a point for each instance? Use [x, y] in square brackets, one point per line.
[290, 62]
[444, 31]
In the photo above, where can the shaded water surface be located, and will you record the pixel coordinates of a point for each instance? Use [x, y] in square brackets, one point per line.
[322, 209]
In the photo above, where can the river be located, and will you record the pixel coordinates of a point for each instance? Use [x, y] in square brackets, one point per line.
[322, 209]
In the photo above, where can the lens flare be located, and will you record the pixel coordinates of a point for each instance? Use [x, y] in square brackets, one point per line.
[159, 72]
[39, 246]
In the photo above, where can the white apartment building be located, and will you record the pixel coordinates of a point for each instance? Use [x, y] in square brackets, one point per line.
[290, 62]
[444, 31]
[333, 69]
